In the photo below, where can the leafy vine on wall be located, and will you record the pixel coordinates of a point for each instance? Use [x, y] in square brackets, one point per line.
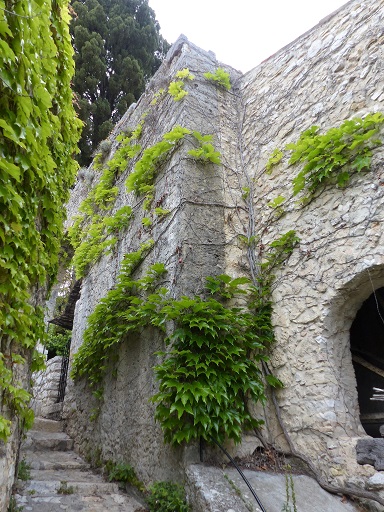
[38, 136]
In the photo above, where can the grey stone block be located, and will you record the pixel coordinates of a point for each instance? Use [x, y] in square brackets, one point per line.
[371, 451]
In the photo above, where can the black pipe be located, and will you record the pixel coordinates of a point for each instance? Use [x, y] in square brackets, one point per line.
[241, 474]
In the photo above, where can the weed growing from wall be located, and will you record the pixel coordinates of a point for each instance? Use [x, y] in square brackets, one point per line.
[220, 77]
[176, 88]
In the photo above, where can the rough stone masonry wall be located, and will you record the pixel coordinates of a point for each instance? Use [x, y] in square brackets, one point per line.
[46, 389]
[190, 241]
[332, 73]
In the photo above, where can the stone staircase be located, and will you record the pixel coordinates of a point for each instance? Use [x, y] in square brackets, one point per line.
[61, 480]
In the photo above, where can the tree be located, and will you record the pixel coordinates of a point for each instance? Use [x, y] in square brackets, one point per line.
[38, 135]
[117, 48]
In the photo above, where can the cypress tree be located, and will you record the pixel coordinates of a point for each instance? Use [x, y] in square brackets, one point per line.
[118, 47]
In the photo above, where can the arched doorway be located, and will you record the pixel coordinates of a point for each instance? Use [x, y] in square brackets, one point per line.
[367, 347]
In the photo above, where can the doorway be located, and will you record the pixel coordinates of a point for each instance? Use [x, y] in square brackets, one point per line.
[367, 347]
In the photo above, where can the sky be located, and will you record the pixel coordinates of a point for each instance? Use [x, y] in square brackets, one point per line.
[242, 33]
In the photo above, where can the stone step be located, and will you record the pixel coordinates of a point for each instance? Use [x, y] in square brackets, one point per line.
[40, 440]
[215, 490]
[45, 475]
[55, 460]
[43, 424]
[54, 487]
[61, 480]
[76, 502]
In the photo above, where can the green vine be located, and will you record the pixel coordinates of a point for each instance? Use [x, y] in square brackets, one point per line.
[176, 88]
[144, 171]
[107, 325]
[212, 369]
[206, 152]
[38, 136]
[332, 157]
[93, 233]
[220, 77]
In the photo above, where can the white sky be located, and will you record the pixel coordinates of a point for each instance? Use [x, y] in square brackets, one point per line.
[241, 33]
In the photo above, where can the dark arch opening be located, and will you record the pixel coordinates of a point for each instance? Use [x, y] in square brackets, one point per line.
[367, 347]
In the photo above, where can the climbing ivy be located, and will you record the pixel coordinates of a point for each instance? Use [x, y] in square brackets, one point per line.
[220, 77]
[94, 233]
[176, 87]
[331, 157]
[140, 181]
[108, 325]
[38, 136]
[212, 368]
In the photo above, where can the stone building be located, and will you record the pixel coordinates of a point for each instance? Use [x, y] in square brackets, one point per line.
[327, 297]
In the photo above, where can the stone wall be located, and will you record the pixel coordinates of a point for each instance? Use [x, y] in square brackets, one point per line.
[46, 389]
[331, 73]
[190, 241]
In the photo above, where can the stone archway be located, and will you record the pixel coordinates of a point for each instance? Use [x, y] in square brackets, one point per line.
[367, 347]
[341, 311]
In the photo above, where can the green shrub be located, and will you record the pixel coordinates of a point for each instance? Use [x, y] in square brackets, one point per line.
[23, 471]
[123, 473]
[221, 77]
[167, 497]
[57, 340]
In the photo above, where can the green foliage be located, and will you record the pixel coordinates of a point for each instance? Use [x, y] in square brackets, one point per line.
[274, 159]
[57, 340]
[160, 93]
[275, 203]
[23, 470]
[123, 473]
[278, 252]
[246, 191]
[145, 168]
[118, 47]
[5, 428]
[38, 135]
[225, 286]
[220, 77]
[185, 74]
[167, 497]
[290, 494]
[212, 369]
[93, 233]
[13, 507]
[176, 88]
[161, 212]
[334, 156]
[210, 372]
[146, 222]
[65, 488]
[206, 152]
[109, 323]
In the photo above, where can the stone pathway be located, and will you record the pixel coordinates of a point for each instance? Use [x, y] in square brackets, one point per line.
[216, 490]
[61, 480]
